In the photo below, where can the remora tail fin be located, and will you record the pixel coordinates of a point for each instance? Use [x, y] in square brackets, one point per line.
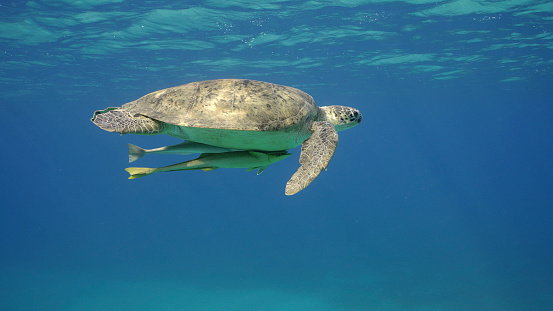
[135, 152]
[137, 172]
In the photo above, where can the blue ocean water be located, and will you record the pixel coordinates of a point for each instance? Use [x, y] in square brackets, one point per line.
[441, 199]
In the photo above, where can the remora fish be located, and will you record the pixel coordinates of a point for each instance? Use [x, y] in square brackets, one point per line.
[187, 147]
[209, 161]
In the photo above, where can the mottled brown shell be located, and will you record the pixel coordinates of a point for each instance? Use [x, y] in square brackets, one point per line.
[232, 104]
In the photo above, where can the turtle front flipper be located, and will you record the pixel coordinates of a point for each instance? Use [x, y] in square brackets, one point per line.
[316, 153]
[118, 120]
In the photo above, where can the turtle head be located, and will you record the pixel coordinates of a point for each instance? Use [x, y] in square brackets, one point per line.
[341, 117]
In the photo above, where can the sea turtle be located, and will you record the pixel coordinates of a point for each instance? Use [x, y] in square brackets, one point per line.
[239, 114]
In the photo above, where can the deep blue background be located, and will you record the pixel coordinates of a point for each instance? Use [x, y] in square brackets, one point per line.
[440, 200]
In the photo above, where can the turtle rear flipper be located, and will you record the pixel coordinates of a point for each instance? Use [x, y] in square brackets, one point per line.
[316, 153]
[121, 121]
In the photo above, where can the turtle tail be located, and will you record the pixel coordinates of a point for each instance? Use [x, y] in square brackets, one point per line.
[137, 172]
[117, 120]
[135, 152]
